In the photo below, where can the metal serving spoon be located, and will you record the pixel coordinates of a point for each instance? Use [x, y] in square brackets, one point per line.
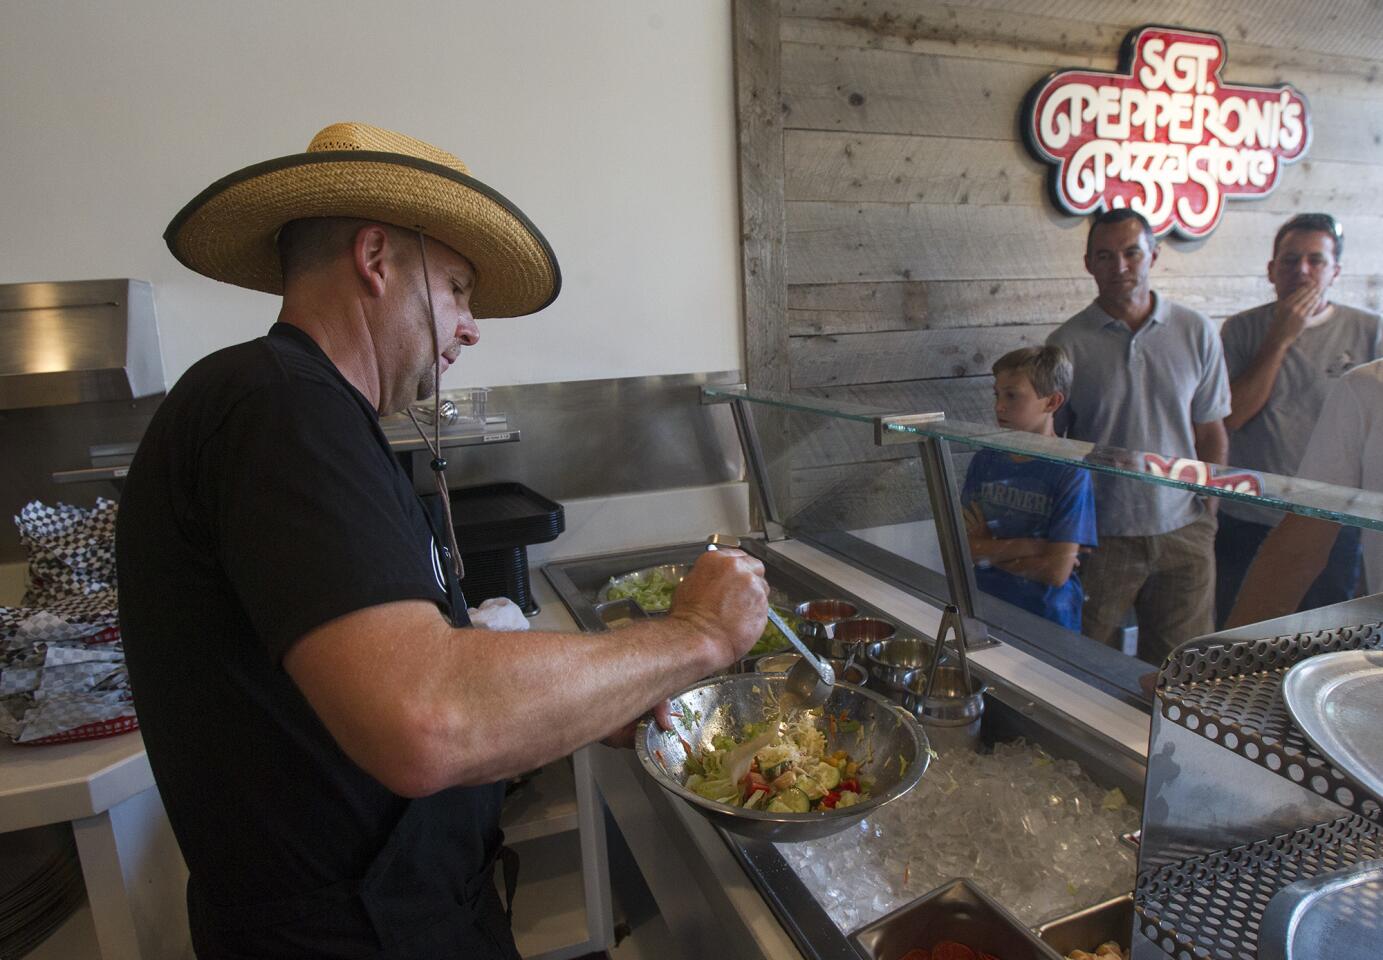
[810, 680]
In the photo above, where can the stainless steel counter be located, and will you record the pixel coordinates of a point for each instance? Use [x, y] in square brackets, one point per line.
[726, 895]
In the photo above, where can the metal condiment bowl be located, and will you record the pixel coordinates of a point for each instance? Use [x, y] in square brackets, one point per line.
[953, 711]
[890, 660]
[856, 675]
[819, 617]
[889, 743]
[849, 637]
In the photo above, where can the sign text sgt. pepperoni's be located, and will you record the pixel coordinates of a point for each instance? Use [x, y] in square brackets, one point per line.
[1165, 134]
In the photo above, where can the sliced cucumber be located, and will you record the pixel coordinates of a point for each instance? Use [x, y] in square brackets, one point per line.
[827, 775]
[810, 786]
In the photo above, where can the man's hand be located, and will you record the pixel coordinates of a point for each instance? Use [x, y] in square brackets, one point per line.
[1291, 313]
[624, 736]
[724, 597]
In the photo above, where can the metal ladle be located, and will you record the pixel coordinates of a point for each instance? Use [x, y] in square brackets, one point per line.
[810, 680]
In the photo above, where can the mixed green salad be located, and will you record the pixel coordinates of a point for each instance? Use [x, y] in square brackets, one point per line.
[777, 767]
[653, 592]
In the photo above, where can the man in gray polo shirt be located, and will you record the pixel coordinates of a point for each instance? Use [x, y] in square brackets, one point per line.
[1149, 376]
[1283, 357]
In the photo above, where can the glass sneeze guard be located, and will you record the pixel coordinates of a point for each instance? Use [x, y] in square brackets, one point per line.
[1345, 505]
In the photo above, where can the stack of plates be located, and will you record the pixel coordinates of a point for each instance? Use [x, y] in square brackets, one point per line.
[40, 886]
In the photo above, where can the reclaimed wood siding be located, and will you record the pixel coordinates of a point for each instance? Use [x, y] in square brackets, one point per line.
[919, 242]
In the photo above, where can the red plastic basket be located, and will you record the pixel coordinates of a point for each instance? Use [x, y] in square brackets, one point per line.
[88, 731]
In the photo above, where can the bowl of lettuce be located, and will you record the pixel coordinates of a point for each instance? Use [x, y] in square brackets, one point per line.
[652, 588]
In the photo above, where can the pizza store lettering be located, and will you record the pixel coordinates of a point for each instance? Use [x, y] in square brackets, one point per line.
[1166, 136]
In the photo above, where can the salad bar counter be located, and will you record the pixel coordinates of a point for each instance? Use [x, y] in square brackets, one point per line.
[1024, 825]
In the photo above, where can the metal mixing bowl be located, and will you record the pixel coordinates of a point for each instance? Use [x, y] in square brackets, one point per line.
[888, 734]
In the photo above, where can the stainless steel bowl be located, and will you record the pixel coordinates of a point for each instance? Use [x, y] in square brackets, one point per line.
[848, 637]
[669, 571]
[953, 712]
[887, 734]
[819, 617]
[890, 660]
[856, 675]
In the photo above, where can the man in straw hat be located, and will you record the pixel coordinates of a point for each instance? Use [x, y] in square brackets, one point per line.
[330, 747]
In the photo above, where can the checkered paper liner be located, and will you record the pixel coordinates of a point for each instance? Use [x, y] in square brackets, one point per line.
[50, 690]
[71, 550]
[62, 667]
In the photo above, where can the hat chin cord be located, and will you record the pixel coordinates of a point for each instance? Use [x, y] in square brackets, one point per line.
[434, 443]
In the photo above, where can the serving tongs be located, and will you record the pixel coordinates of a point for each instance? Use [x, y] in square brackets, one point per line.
[810, 680]
[950, 627]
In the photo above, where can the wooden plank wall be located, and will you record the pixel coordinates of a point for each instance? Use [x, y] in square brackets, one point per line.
[920, 243]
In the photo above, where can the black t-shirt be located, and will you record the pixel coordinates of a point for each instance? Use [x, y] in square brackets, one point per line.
[264, 501]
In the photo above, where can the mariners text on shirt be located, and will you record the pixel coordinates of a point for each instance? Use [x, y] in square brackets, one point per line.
[1026, 501]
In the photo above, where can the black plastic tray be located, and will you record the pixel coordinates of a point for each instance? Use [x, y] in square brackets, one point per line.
[495, 516]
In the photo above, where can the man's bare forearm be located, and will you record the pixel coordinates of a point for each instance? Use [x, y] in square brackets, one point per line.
[512, 704]
[1212, 442]
[422, 705]
[1287, 563]
[1249, 392]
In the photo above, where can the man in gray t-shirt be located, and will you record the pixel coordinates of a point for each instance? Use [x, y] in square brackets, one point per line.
[1149, 376]
[1283, 357]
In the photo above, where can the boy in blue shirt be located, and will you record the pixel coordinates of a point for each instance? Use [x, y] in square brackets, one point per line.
[1028, 520]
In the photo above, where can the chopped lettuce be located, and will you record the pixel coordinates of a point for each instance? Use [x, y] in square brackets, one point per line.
[653, 593]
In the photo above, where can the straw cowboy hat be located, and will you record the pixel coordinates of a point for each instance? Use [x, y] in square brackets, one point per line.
[229, 231]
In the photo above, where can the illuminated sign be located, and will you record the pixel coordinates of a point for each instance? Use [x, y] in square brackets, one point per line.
[1165, 134]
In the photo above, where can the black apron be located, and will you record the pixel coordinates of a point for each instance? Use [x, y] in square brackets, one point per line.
[422, 898]
[429, 893]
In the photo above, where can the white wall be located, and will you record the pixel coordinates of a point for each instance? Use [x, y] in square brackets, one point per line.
[609, 122]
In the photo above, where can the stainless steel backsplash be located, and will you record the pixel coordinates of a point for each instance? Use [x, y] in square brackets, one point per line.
[585, 438]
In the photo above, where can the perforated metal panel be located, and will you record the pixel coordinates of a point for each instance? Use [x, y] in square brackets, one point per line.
[1231, 693]
[1210, 907]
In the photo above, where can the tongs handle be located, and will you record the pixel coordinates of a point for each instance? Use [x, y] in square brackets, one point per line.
[717, 540]
[823, 670]
[950, 625]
